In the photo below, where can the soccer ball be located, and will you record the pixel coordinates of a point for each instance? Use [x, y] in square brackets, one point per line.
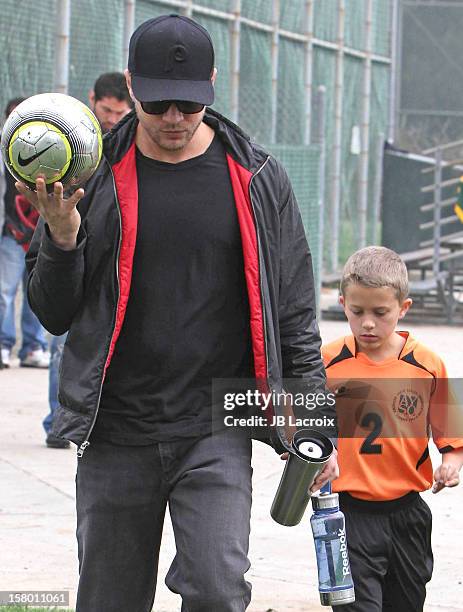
[53, 135]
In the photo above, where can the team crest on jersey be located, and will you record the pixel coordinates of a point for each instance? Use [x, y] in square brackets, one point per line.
[408, 405]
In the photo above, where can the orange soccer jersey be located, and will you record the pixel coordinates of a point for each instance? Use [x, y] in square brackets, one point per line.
[385, 413]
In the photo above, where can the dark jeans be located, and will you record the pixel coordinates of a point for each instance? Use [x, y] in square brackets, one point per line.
[56, 349]
[12, 273]
[122, 493]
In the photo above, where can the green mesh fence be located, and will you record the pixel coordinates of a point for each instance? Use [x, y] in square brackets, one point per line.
[290, 16]
[27, 42]
[218, 5]
[379, 118]
[258, 10]
[219, 31]
[26, 48]
[303, 167]
[96, 43]
[381, 27]
[325, 20]
[354, 26]
[324, 68]
[291, 100]
[146, 9]
[352, 107]
[255, 84]
[431, 76]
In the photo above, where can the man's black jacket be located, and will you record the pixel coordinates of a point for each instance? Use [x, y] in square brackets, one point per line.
[86, 290]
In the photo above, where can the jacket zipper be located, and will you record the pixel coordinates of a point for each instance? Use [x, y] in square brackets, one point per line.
[86, 443]
[258, 257]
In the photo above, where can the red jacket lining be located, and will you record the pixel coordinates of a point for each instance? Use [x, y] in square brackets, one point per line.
[125, 176]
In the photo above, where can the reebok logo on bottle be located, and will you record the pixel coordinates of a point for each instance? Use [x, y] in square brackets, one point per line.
[343, 550]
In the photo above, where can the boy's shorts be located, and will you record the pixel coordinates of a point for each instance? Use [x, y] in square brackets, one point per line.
[389, 551]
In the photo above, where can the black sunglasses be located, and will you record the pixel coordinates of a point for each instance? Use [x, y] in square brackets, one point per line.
[161, 107]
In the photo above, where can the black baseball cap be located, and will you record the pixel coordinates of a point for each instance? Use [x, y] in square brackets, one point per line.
[171, 58]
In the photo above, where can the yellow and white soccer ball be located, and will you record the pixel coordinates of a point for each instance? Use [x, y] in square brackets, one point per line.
[53, 135]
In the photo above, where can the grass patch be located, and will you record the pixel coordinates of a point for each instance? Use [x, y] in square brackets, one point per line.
[29, 609]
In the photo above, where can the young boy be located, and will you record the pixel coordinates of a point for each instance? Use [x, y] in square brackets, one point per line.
[382, 473]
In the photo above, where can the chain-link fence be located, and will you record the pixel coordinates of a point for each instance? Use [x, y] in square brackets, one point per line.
[271, 56]
[303, 167]
[429, 110]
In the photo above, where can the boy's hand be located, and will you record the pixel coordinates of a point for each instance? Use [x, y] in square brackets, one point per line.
[448, 474]
[329, 472]
[445, 476]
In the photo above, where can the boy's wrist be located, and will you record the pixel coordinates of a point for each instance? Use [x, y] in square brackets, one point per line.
[453, 458]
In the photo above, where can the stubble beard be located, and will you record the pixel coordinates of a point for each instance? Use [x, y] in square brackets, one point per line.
[166, 144]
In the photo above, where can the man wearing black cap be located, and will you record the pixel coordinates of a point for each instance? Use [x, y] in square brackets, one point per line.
[185, 262]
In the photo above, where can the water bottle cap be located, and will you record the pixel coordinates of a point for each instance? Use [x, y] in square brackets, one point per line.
[311, 449]
[325, 501]
[312, 446]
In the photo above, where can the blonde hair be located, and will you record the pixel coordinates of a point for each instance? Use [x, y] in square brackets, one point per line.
[376, 266]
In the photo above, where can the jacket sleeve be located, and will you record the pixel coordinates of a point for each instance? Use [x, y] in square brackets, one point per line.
[303, 368]
[56, 279]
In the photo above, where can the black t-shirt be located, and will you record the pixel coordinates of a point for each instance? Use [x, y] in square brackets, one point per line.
[187, 319]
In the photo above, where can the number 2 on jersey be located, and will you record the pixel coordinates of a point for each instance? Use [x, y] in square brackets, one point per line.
[373, 420]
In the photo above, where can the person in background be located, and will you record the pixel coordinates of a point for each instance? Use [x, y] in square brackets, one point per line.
[19, 224]
[110, 101]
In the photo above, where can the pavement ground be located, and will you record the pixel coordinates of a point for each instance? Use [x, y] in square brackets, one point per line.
[37, 518]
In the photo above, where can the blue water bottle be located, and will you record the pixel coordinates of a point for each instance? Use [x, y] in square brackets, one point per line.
[329, 530]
